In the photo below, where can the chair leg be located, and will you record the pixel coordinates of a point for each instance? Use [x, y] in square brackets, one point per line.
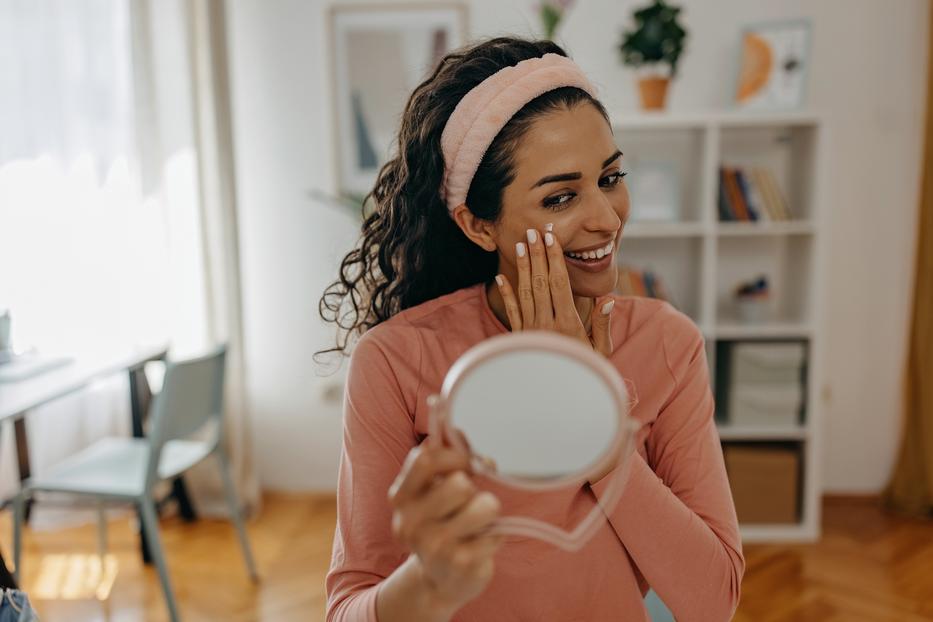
[151, 524]
[101, 533]
[236, 515]
[19, 509]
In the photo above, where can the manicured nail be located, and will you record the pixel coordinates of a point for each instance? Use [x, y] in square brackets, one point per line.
[499, 279]
[549, 226]
[520, 249]
[549, 238]
[532, 236]
[607, 307]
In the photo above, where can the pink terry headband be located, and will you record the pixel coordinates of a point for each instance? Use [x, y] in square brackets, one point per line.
[487, 108]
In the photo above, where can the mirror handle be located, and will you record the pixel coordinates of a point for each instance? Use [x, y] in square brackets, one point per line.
[437, 414]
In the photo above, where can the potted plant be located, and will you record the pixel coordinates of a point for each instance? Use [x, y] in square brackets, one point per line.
[551, 13]
[654, 47]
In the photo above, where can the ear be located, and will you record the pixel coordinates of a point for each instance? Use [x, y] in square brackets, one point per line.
[480, 231]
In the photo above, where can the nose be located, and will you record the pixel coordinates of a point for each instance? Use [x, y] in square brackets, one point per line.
[601, 214]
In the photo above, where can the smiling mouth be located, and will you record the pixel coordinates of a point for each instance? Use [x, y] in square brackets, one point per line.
[593, 256]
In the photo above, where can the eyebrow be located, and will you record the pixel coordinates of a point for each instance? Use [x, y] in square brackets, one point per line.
[571, 176]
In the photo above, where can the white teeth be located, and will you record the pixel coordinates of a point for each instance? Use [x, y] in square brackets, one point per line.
[597, 254]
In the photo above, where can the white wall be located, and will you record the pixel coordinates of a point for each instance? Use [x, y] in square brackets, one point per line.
[868, 78]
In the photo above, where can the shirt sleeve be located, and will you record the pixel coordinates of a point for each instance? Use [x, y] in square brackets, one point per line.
[676, 516]
[378, 433]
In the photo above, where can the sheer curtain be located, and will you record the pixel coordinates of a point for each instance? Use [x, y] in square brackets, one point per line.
[110, 235]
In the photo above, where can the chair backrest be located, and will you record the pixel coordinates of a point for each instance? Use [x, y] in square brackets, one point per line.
[191, 398]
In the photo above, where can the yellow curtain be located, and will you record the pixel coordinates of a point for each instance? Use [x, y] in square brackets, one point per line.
[911, 488]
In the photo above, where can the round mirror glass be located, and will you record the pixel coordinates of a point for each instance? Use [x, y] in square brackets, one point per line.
[536, 414]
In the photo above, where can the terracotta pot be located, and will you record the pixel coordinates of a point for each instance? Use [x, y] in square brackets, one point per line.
[653, 92]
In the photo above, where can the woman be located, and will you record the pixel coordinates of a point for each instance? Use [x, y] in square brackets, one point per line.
[503, 211]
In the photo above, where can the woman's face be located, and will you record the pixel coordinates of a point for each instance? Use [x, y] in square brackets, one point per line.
[567, 172]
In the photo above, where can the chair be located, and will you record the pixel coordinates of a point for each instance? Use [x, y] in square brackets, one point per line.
[127, 469]
[657, 610]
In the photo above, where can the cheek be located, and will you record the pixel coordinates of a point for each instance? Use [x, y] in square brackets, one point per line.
[621, 203]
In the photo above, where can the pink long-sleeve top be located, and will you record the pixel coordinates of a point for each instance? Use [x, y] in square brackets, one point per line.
[674, 528]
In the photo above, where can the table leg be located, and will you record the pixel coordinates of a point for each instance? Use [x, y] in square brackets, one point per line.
[22, 457]
[185, 509]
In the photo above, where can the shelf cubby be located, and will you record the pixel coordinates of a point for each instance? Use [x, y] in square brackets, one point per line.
[700, 260]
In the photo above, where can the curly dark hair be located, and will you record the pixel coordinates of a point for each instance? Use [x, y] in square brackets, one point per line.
[410, 250]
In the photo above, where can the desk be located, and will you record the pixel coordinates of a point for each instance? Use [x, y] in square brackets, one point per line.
[20, 396]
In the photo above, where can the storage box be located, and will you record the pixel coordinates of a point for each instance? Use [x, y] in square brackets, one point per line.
[765, 404]
[769, 363]
[765, 482]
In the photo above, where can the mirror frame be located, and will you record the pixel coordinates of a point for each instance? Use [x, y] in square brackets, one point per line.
[441, 428]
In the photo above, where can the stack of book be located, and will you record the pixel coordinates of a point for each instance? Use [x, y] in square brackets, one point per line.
[645, 283]
[750, 195]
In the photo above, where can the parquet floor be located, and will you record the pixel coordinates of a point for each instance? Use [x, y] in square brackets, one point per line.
[868, 567]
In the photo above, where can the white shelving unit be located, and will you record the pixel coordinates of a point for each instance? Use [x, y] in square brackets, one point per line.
[700, 260]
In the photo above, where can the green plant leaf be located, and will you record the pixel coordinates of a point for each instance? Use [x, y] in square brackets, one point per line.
[657, 37]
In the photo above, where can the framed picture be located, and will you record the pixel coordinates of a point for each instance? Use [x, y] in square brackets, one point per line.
[380, 54]
[654, 191]
[774, 66]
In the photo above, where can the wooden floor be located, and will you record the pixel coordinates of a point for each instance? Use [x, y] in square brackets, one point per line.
[868, 567]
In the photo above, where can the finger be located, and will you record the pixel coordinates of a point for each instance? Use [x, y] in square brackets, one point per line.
[463, 553]
[477, 516]
[526, 301]
[565, 311]
[421, 466]
[601, 325]
[541, 289]
[512, 309]
[462, 439]
[445, 498]
[480, 548]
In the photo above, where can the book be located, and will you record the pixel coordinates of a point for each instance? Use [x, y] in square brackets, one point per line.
[643, 283]
[765, 200]
[777, 197]
[746, 195]
[648, 279]
[750, 195]
[735, 196]
[725, 208]
[754, 190]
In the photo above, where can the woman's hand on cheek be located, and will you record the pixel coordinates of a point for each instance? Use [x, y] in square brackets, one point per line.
[544, 299]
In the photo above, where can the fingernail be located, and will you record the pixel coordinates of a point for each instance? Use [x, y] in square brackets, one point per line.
[607, 307]
[549, 238]
[520, 249]
[499, 279]
[549, 226]
[532, 236]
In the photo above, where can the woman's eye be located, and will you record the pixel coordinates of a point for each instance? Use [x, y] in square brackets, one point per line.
[561, 200]
[558, 201]
[613, 179]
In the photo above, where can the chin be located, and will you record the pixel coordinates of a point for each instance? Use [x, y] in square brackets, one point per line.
[595, 285]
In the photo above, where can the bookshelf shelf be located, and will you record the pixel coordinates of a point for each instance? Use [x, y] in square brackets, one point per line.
[701, 260]
[801, 227]
[801, 532]
[712, 118]
[729, 432]
[771, 330]
[664, 230]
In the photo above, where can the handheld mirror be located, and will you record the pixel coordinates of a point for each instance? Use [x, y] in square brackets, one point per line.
[538, 411]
